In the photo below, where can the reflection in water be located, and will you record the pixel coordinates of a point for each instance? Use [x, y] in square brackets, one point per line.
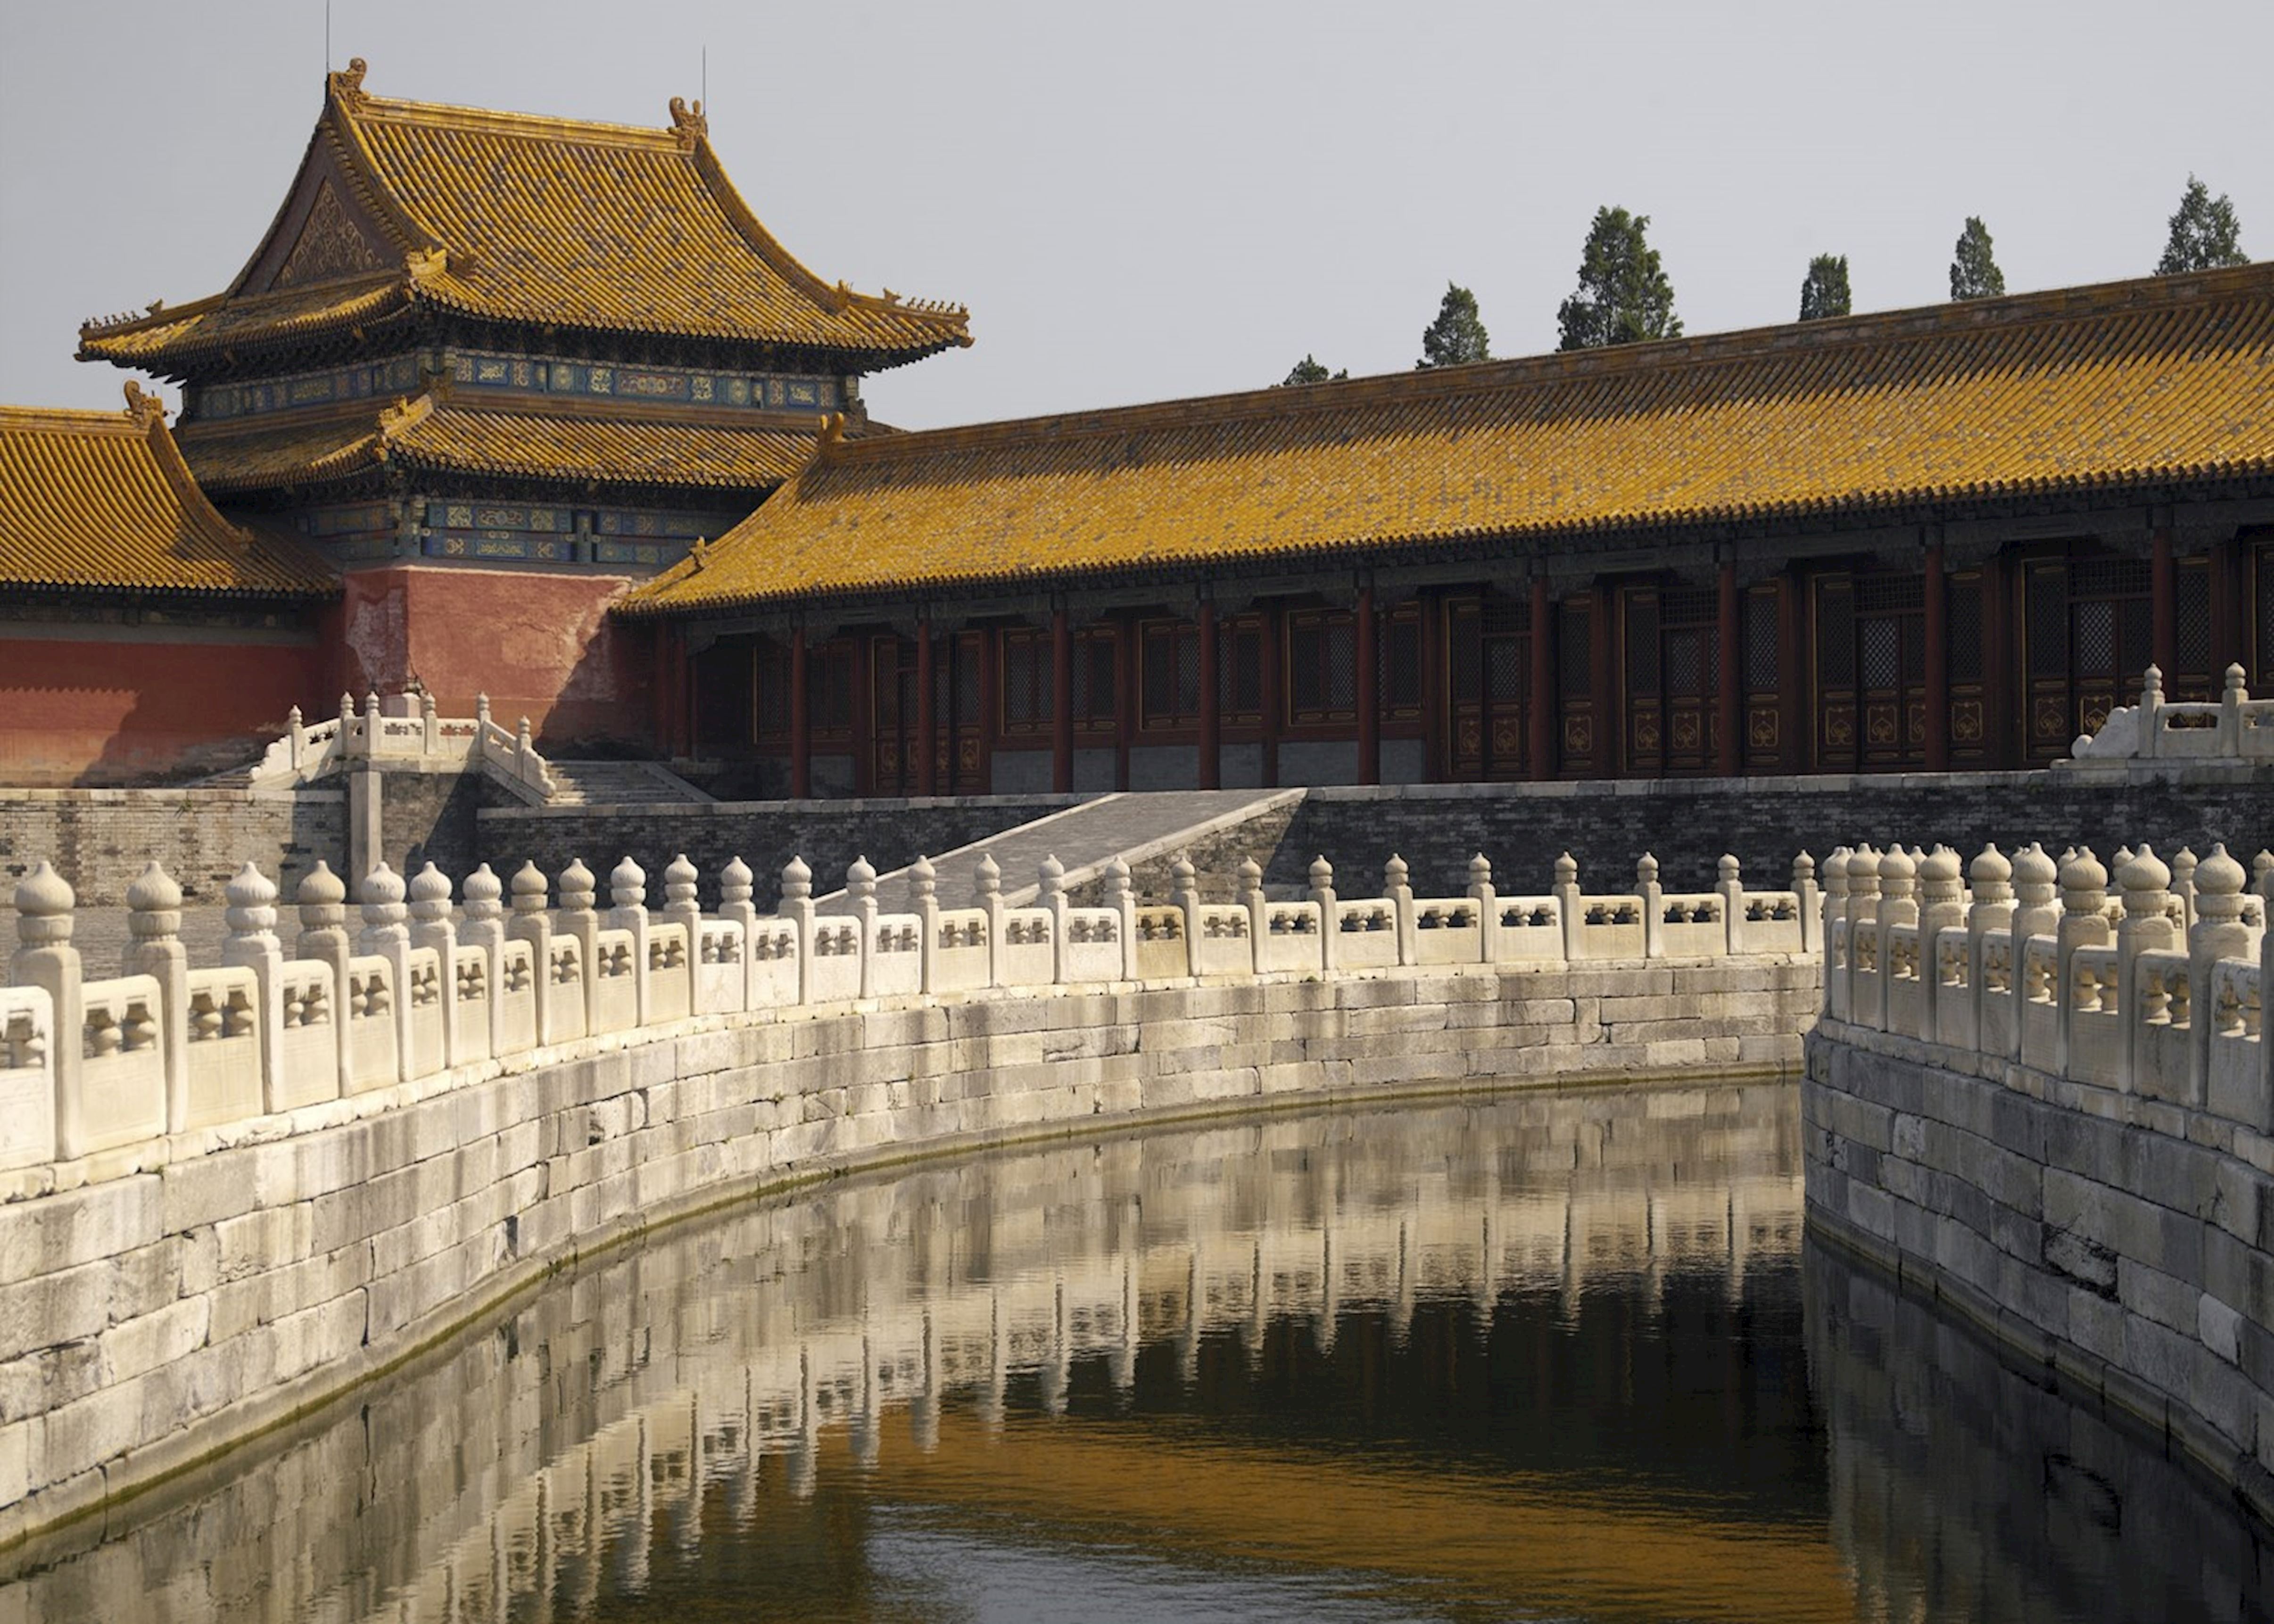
[1542, 1358]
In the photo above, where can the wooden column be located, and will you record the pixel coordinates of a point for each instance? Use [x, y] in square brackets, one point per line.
[2163, 601]
[1061, 701]
[927, 718]
[1730, 690]
[801, 721]
[1936, 591]
[1369, 693]
[1541, 708]
[1211, 715]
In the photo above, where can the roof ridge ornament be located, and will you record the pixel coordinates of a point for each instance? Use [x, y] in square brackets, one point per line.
[688, 124]
[144, 407]
[345, 86]
[833, 433]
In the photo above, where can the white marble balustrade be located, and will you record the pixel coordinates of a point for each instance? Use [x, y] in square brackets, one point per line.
[417, 989]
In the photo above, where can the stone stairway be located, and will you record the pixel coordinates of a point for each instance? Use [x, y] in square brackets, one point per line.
[617, 784]
[1086, 838]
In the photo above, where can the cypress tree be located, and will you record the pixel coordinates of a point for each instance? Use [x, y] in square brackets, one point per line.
[1974, 275]
[1458, 335]
[1823, 292]
[2205, 235]
[1624, 292]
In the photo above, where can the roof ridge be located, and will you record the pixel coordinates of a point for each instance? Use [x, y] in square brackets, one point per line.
[1794, 338]
[65, 419]
[345, 89]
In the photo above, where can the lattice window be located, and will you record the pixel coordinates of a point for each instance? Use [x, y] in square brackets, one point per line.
[1505, 661]
[1890, 594]
[2109, 578]
[1026, 667]
[1575, 650]
[829, 689]
[2192, 604]
[1169, 653]
[1883, 665]
[1760, 633]
[771, 680]
[2048, 620]
[1397, 671]
[1685, 664]
[1095, 654]
[1642, 643]
[967, 682]
[1835, 634]
[1964, 629]
[1468, 652]
[1322, 665]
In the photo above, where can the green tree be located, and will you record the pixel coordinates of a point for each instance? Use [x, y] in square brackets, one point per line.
[1458, 335]
[1825, 291]
[1311, 370]
[1974, 275]
[2205, 235]
[1623, 293]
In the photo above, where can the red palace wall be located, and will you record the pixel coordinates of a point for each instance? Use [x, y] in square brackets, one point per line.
[539, 646]
[119, 712]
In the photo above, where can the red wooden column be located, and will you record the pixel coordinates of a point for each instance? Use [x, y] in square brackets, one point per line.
[1728, 692]
[2163, 600]
[1369, 693]
[1061, 701]
[927, 723]
[801, 721]
[1211, 719]
[1937, 594]
[1540, 707]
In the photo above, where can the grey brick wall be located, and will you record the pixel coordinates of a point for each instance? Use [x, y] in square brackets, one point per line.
[1687, 824]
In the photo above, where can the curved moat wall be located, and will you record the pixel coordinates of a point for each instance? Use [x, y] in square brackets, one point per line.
[152, 1319]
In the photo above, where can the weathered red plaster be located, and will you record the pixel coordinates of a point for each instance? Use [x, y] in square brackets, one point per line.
[539, 646]
[112, 712]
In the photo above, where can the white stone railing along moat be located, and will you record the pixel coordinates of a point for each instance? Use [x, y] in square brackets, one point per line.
[107, 1077]
[2154, 990]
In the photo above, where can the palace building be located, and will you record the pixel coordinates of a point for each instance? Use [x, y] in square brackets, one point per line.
[495, 367]
[111, 558]
[1932, 539]
[537, 408]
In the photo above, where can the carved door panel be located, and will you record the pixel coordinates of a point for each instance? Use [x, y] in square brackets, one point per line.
[1674, 673]
[1870, 672]
[893, 701]
[1488, 688]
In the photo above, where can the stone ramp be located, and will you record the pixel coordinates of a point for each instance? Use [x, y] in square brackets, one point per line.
[618, 784]
[1086, 837]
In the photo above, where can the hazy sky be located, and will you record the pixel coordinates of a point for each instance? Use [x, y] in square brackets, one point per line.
[1164, 199]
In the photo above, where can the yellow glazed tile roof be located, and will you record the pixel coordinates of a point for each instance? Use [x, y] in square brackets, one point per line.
[555, 222]
[429, 434]
[103, 500]
[2147, 383]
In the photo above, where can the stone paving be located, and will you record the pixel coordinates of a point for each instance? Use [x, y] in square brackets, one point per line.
[1085, 838]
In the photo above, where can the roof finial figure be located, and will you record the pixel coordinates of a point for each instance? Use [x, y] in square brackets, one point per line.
[346, 83]
[144, 407]
[687, 123]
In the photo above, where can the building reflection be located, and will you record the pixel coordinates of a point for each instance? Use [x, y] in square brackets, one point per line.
[1540, 1353]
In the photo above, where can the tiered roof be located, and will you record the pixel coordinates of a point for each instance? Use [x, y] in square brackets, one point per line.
[428, 433]
[2136, 384]
[102, 500]
[546, 222]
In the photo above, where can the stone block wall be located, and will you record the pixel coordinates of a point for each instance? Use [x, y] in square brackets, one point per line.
[764, 834]
[148, 1321]
[2122, 1245]
[1688, 823]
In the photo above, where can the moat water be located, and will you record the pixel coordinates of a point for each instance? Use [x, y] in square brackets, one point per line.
[1565, 1357]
